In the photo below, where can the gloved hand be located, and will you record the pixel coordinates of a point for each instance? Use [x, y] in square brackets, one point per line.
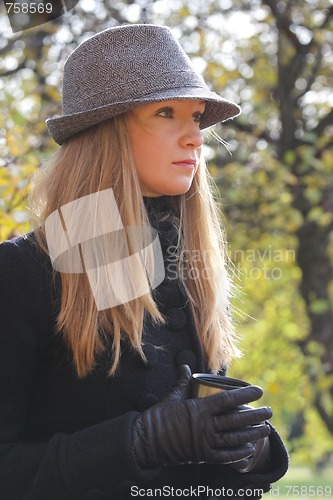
[212, 429]
[259, 461]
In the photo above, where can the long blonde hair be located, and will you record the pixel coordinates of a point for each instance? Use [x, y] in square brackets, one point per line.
[101, 158]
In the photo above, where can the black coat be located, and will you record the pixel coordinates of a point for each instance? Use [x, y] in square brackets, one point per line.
[62, 438]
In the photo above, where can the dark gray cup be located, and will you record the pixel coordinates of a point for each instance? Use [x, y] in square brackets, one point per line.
[204, 384]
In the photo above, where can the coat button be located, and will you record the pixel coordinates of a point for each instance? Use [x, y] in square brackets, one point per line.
[186, 357]
[176, 319]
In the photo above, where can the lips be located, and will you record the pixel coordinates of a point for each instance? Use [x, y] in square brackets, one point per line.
[187, 163]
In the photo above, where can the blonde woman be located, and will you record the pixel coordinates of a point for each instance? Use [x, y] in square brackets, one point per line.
[121, 292]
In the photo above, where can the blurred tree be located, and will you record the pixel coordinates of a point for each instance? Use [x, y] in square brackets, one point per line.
[279, 184]
[305, 145]
[287, 76]
[274, 58]
[30, 70]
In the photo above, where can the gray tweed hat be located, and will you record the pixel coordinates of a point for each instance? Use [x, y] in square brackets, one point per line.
[128, 66]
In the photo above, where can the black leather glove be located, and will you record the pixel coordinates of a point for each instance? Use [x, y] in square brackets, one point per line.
[212, 429]
[259, 461]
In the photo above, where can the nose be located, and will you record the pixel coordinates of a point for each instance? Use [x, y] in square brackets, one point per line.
[191, 137]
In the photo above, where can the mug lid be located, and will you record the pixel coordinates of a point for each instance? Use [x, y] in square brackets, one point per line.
[219, 381]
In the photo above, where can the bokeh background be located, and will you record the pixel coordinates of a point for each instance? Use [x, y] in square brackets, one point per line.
[275, 184]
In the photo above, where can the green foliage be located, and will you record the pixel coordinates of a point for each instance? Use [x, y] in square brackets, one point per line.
[14, 218]
[305, 483]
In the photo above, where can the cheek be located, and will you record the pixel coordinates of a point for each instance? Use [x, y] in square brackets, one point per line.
[144, 159]
[151, 151]
[140, 150]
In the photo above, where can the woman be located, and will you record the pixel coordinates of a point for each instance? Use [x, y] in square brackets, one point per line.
[94, 330]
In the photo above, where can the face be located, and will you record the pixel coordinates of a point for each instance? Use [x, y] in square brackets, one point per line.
[167, 143]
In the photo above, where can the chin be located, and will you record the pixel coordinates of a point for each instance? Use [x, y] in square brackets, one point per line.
[177, 190]
[167, 190]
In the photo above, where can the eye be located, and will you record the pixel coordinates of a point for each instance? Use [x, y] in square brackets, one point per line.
[165, 112]
[197, 117]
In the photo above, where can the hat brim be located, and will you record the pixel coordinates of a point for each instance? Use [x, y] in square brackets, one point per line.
[217, 110]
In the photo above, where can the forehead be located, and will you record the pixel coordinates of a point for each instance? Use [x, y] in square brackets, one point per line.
[181, 101]
[191, 105]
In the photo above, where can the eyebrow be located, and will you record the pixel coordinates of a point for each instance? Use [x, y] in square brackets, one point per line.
[171, 106]
[166, 105]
